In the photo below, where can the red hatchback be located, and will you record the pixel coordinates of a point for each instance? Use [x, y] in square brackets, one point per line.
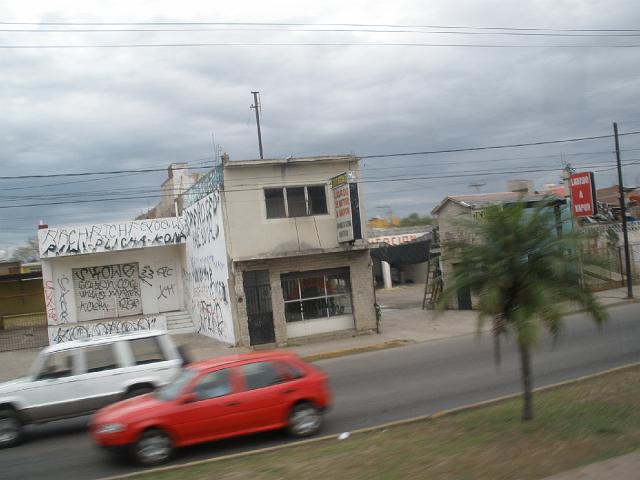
[214, 399]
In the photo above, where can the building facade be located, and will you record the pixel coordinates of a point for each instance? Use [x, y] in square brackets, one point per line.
[253, 259]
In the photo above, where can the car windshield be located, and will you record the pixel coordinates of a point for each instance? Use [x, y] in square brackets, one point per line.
[172, 390]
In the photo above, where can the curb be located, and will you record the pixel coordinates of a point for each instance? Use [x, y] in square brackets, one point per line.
[396, 423]
[351, 351]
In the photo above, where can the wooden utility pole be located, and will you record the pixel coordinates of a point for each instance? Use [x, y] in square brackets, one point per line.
[256, 106]
[623, 212]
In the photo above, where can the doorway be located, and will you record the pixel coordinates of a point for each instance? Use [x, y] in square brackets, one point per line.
[257, 291]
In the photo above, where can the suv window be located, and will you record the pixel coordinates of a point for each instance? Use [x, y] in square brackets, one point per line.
[146, 350]
[260, 374]
[213, 385]
[57, 365]
[99, 358]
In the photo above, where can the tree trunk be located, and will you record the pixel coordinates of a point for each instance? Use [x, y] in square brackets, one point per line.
[527, 382]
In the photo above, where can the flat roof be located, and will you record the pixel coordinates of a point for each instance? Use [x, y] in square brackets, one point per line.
[103, 339]
[288, 160]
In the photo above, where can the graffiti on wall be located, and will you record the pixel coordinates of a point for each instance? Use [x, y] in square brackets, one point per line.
[50, 302]
[63, 287]
[67, 333]
[111, 236]
[206, 273]
[107, 290]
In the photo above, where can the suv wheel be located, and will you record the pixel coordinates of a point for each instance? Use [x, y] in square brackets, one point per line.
[152, 448]
[304, 420]
[10, 429]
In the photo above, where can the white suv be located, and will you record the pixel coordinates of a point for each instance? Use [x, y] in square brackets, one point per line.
[79, 377]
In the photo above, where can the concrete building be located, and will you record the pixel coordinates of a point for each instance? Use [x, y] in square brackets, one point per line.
[291, 275]
[262, 253]
[179, 180]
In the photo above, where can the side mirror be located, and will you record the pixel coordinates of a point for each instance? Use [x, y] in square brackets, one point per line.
[189, 398]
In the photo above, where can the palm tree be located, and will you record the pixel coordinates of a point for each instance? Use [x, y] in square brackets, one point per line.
[524, 270]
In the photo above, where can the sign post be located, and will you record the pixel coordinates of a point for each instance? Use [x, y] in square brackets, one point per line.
[583, 194]
[347, 205]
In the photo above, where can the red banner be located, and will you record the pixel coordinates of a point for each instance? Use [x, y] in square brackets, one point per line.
[582, 194]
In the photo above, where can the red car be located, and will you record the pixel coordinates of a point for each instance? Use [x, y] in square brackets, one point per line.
[214, 399]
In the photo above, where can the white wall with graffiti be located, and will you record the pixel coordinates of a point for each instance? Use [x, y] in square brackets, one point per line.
[205, 269]
[121, 287]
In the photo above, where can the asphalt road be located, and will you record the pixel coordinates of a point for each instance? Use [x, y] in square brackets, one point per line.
[369, 389]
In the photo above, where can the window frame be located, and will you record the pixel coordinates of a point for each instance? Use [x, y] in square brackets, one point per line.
[326, 274]
[307, 201]
[132, 353]
[84, 358]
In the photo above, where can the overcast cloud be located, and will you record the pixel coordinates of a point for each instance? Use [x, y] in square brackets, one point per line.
[88, 109]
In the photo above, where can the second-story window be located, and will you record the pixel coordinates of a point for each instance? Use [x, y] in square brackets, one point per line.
[283, 202]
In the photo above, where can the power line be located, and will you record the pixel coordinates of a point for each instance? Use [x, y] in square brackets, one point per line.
[307, 44]
[363, 157]
[303, 24]
[110, 172]
[605, 34]
[494, 147]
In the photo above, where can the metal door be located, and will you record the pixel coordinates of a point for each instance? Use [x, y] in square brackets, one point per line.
[257, 291]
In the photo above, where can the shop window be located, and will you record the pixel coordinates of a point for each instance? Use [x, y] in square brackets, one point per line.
[295, 201]
[316, 294]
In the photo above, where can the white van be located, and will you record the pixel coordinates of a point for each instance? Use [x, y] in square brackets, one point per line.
[79, 377]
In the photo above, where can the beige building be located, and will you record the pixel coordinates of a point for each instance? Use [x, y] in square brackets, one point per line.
[179, 180]
[290, 276]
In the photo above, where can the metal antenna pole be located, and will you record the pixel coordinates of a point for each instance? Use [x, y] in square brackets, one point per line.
[256, 106]
[623, 211]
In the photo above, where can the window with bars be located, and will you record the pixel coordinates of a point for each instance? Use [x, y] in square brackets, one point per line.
[283, 202]
[316, 294]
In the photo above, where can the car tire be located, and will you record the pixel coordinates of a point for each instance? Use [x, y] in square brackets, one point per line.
[10, 429]
[154, 447]
[304, 420]
[137, 391]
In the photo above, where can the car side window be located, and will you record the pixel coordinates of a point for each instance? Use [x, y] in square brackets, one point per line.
[261, 374]
[57, 365]
[289, 370]
[146, 350]
[100, 358]
[213, 385]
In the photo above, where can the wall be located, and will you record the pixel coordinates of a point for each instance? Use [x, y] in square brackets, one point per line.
[108, 237]
[205, 269]
[245, 209]
[159, 279]
[362, 292]
[21, 296]
[85, 330]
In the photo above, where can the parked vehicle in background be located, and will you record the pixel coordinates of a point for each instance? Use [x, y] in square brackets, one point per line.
[215, 399]
[79, 377]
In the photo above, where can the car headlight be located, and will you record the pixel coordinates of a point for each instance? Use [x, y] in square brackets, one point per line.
[110, 428]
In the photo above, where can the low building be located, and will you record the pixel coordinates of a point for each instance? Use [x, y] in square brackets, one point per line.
[405, 269]
[262, 253]
[451, 209]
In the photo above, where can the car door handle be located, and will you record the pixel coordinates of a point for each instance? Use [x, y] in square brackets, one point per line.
[288, 390]
[231, 404]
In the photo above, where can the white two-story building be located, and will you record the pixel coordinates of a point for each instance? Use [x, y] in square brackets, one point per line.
[265, 251]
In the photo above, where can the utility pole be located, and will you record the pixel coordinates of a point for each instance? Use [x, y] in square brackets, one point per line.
[623, 211]
[256, 106]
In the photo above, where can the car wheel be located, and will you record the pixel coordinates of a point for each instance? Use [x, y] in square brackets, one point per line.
[10, 429]
[137, 391]
[152, 448]
[304, 420]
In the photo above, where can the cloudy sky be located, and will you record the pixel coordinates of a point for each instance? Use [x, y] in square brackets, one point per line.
[362, 77]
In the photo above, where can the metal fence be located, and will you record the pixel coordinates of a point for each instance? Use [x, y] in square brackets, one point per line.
[27, 330]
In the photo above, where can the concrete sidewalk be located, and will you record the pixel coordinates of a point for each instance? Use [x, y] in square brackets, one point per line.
[626, 467]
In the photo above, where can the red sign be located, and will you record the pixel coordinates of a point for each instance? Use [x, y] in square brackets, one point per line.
[582, 194]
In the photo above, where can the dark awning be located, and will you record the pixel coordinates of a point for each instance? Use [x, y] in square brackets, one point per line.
[405, 254]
